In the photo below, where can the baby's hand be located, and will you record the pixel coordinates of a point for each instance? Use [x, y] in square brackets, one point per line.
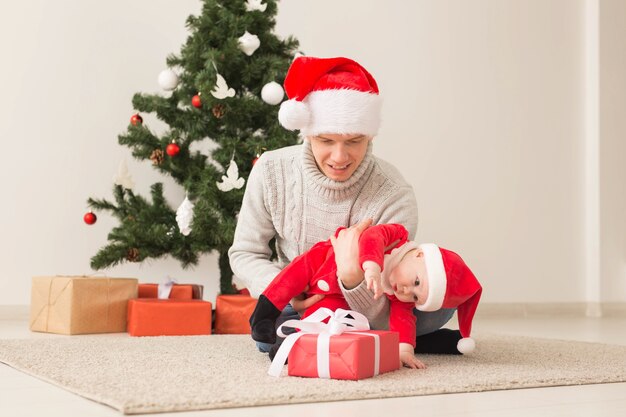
[373, 278]
[409, 360]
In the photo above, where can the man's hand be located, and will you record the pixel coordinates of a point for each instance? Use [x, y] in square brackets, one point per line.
[373, 278]
[409, 360]
[346, 248]
[300, 303]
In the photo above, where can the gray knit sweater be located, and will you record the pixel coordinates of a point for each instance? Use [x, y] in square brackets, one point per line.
[289, 198]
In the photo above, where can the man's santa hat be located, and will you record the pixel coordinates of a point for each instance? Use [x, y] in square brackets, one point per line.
[330, 95]
[451, 284]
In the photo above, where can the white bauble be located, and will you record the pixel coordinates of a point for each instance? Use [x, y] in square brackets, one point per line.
[252, 5]
[168, 80]
[249, 43]
[272, 93]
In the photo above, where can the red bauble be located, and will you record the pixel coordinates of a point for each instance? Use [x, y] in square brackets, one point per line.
[172, 149]
[136, 119]
[255, 159]
[197, 103]
[90, 218]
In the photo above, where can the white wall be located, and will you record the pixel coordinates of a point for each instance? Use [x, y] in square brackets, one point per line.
[484, 112]
[612, 124]
[69, 71]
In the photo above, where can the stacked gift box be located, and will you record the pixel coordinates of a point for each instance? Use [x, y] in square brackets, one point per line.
[80, 305]
[177, 292]
[87, 304]
[182, 313]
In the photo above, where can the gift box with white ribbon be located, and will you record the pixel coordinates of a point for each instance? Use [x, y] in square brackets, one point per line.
[343, 348]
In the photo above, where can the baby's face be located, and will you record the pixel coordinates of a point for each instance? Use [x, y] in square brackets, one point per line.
[409, 279]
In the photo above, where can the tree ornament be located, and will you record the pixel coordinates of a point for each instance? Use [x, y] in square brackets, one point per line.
[258, 150]
[195, 100]
[172, 149]
[123, 177]
[168, 79]
[272, 93]
[136, 120]
[249, 43]
[252, 5]
[132, 255]
[231, 179]
[221, 90]
[157, 157]
[206, 134]
[184, 216]
[218, 110]
[90, 218]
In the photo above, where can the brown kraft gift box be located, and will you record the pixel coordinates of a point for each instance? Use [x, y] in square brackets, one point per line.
[79, 305]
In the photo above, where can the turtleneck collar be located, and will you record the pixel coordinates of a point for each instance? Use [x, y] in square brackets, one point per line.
[328, 187]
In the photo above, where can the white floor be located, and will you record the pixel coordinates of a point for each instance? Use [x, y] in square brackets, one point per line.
[22, 395]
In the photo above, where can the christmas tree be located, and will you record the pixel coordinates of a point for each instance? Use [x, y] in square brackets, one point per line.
[225, 87]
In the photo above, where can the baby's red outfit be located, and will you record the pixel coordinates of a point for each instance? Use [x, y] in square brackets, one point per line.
[317, 269]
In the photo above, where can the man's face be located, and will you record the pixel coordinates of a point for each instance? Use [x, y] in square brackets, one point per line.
[338, 156]
[409, 279]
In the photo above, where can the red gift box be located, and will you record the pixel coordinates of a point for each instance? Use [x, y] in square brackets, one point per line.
[154, 317]
[351, 355]
[232, 313]
[178, 292]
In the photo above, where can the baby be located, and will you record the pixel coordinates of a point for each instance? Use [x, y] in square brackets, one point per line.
[424, 276]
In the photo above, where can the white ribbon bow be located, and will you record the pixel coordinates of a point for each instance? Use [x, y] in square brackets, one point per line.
[338, 323]
[165, 288]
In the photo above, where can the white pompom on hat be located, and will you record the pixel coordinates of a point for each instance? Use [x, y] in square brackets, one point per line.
[293, 115]
[330, 95]
[451, 284]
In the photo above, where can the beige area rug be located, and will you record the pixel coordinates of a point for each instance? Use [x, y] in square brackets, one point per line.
[160, 374]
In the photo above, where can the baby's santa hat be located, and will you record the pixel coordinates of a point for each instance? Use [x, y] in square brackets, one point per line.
[451, 284]
[330, 95]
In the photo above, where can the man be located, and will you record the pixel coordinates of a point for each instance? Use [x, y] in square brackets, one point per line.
[301, 194]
